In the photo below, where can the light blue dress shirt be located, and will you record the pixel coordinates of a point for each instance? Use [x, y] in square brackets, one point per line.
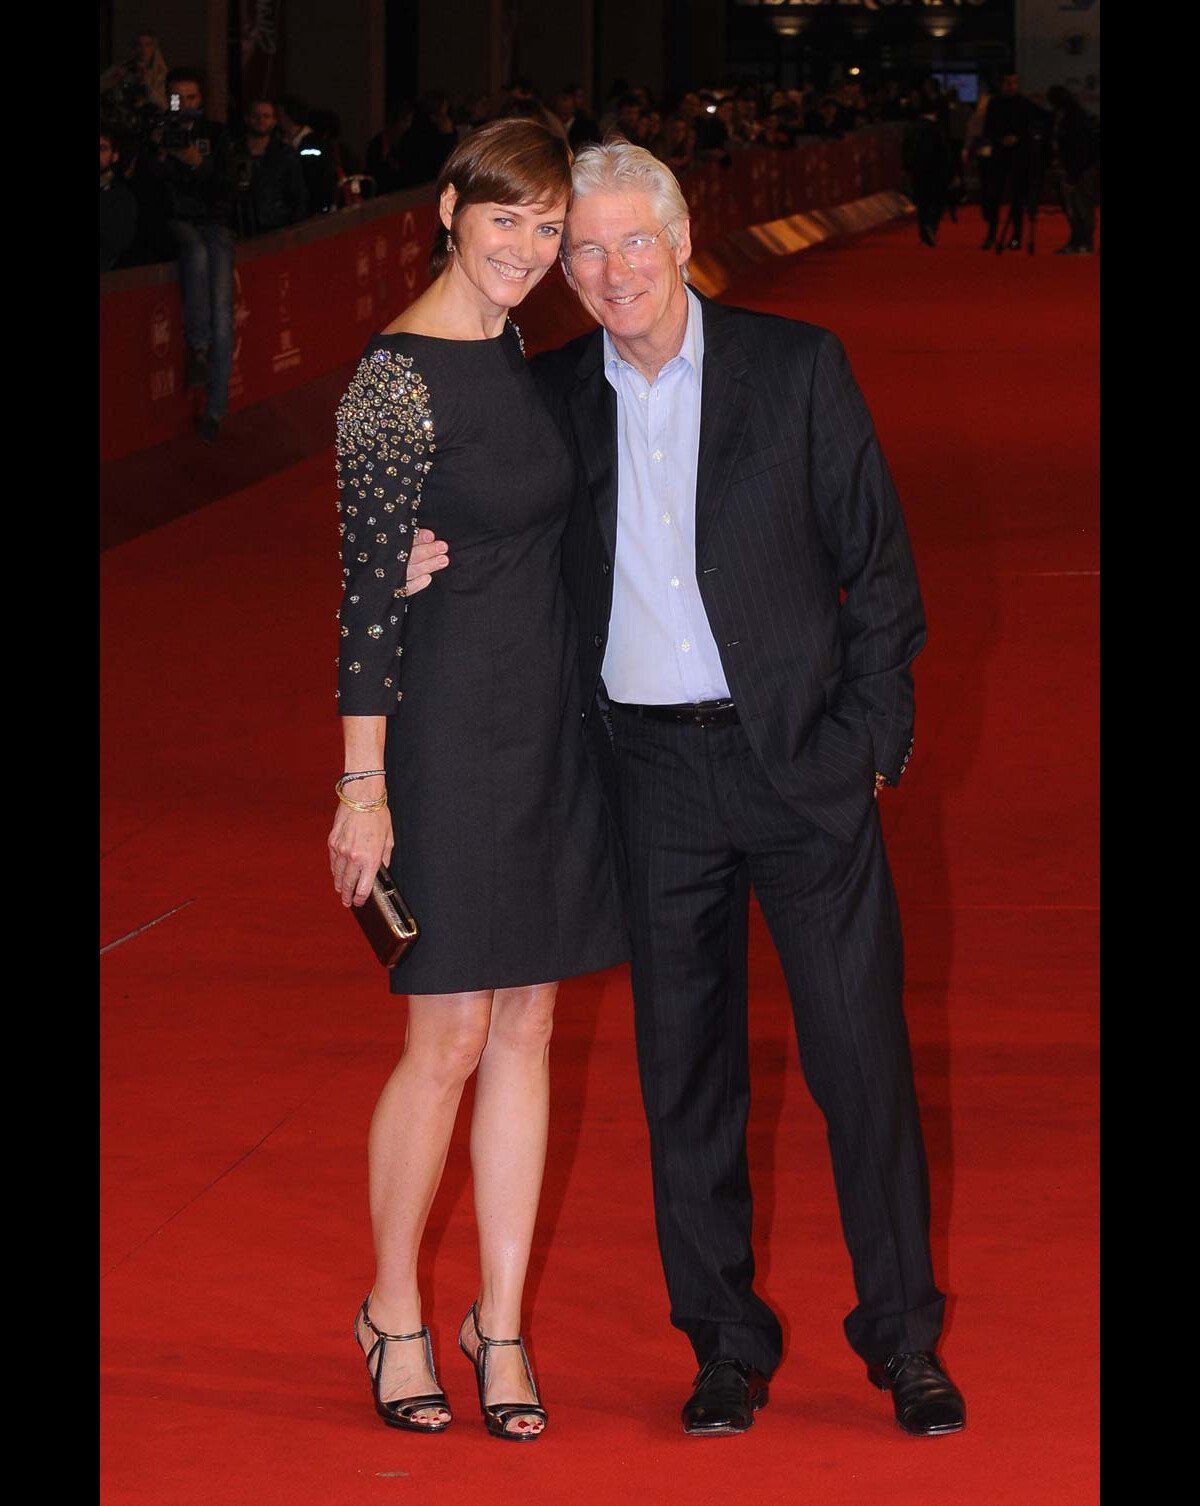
[660, 649]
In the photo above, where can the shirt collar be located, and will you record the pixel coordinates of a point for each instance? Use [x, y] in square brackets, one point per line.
[691, 351]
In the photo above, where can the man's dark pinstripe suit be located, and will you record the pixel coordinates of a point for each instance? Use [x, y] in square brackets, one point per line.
[808, 583]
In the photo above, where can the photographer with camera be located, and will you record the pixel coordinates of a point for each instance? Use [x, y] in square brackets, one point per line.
[270, 184]
[194, 163]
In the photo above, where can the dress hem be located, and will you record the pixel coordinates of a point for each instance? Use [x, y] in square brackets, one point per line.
[521, 980]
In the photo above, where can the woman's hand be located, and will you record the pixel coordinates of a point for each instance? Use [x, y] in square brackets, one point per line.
[360, 842]
[428, 555]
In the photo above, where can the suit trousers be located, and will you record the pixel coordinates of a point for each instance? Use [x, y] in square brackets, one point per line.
[701, 824]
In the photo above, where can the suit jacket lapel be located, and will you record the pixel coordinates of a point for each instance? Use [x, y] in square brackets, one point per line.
[726, 397]
[593, 407]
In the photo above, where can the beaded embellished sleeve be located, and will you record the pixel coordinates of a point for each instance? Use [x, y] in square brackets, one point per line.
[384, 452]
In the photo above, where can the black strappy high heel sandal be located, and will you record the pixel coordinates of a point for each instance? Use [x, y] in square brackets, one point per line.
[498, 1415]
[398, 1413]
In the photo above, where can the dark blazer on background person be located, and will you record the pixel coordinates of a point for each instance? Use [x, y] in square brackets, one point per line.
[802, 555]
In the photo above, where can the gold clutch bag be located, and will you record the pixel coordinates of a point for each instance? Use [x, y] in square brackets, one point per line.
[387, 922]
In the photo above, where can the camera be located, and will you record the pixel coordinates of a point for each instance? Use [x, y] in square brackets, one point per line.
[178, 126]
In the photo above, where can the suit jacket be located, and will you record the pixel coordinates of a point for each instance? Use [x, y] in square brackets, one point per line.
[802, 556]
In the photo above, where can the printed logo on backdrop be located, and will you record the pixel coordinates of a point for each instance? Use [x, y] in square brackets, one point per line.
[381, 270]
[288, 353]
[759, 172]
[241, 317]
[261, 37]
[160, 330]
[163, 379]
[410, 252]
[364, 303]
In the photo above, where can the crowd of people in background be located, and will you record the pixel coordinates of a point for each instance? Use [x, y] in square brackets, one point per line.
[164, 161]
[178, 185]
[1010, 149]
[280, 161]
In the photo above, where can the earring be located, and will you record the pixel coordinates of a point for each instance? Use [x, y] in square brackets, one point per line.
[450, 247]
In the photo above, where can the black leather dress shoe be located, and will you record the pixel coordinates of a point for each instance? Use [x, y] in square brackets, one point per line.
[725, 1397]
[926, 1400]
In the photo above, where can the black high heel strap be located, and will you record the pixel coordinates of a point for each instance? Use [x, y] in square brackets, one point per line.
[395, 1338]
[382, 1340]
[482, 1337]
[504, 1411]
[399, 1413]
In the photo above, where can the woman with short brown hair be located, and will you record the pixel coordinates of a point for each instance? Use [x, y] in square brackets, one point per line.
[465, 768]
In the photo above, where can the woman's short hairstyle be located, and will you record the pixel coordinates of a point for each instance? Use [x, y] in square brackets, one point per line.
[616, 164]
[504, 162]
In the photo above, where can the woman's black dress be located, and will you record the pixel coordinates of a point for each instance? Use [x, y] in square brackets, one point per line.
[502, 844]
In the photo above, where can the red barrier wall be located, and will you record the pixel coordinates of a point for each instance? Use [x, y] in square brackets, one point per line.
[306, 300]
[298, 311]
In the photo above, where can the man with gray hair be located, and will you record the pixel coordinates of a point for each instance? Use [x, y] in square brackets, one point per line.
[748, 612]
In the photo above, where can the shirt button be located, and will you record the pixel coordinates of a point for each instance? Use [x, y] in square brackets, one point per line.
[642, 396]
[685, 645]
[675, 581]
[658, 454]
[666, 517]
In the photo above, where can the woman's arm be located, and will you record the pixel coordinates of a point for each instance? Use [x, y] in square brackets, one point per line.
[385, 439]
[384, 444]
[360, 840]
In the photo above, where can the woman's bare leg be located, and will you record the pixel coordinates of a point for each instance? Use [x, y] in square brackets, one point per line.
[508, 1155]
[406, 1152]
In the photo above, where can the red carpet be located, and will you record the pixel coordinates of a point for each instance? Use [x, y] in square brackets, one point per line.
[247, 1035]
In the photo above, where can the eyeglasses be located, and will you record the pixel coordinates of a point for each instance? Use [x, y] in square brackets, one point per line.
[634, 251]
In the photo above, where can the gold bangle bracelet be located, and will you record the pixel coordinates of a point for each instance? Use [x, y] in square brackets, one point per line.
[363, 805]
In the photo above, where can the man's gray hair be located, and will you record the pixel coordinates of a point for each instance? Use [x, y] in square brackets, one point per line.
[616, 164]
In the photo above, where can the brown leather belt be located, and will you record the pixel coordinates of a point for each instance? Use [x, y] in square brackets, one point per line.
[690, 714]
